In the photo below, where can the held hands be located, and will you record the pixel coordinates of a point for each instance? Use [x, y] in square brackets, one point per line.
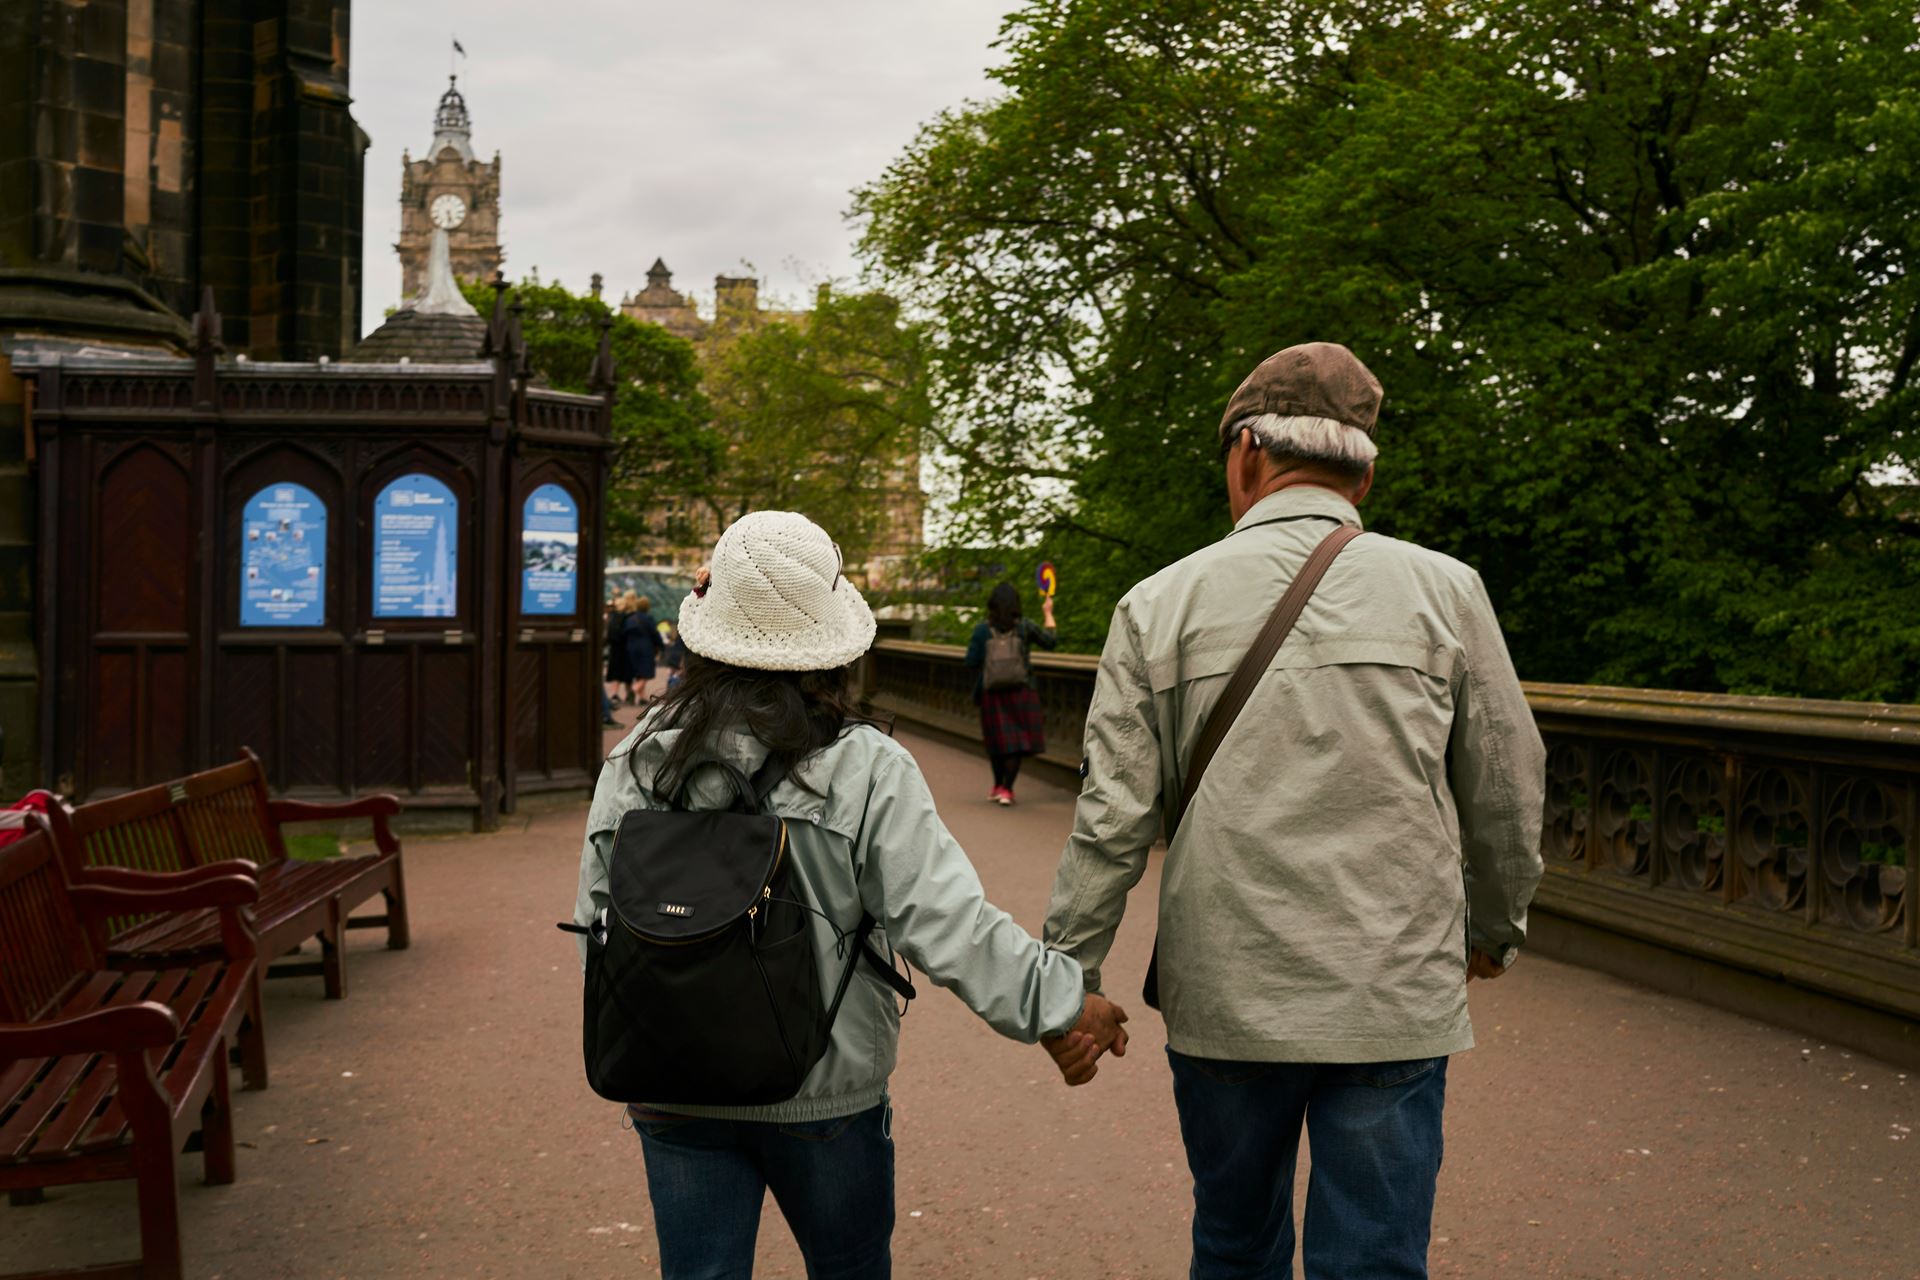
[1098, 1031]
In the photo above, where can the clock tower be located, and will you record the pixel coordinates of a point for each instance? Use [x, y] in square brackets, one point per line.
[452, 192]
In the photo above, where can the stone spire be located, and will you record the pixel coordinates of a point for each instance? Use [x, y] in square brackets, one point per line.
[442, 296]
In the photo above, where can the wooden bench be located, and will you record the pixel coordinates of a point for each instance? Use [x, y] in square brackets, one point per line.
[221, 821]
[106, 1073]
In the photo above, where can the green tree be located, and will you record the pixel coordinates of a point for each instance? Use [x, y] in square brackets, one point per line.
[822, 412]
[665, 446]
[1637, 277]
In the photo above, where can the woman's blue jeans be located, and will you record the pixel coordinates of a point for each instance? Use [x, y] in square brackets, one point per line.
[1374, 1133]
[833, 1180]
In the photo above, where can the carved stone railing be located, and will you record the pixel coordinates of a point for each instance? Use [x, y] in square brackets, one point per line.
[1770, 835]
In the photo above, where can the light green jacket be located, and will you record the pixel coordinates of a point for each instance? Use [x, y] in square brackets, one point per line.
[1385, 775]
[869, 840]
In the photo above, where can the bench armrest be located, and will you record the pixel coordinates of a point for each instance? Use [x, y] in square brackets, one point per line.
[379, 808]
[147, 1025]
[129, 878]
[228, 894]
[223, 891]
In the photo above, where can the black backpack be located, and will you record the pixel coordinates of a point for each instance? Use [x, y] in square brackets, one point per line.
[701, 983]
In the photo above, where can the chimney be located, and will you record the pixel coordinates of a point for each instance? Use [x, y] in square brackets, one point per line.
[735, 295]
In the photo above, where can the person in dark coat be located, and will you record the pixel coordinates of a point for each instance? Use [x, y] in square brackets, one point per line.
[643, 646]
[619, 670]
[1011, 720]
[674, 659]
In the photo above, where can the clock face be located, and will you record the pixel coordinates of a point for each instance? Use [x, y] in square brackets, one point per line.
[448, 211]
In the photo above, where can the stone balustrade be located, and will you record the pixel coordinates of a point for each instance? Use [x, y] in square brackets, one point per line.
[1768, 837]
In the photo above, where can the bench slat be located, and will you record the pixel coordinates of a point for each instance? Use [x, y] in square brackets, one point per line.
[203, 1005]
[22, 1072]
[286, 890]
[74, 1084]
[62, 1130]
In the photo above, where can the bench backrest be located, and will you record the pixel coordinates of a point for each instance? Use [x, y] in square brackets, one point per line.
[44, 952]
[203, 818]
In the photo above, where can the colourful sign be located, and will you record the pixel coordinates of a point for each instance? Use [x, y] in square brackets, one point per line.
[549, 552]
[1048, 579]
[283, 567]
[416, 549]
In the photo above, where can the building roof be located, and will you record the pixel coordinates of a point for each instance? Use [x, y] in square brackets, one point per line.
[422, 338]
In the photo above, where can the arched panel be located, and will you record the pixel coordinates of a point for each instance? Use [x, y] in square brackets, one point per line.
[143, 543]
[550, 551]
[304, 562]
[416, 548]
[419, 562]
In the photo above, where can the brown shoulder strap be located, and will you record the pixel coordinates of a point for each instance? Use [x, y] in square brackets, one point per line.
[1254, 665]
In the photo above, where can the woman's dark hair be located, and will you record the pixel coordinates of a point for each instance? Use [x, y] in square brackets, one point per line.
[1003, 607]
[791, 713]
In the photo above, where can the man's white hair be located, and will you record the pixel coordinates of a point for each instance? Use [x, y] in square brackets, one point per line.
[1316, 440]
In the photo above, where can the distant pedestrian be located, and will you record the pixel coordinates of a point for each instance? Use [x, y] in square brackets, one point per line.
[1001, 655]
[619, 669]
[1364, 841]
[675, 657]
[643, 645]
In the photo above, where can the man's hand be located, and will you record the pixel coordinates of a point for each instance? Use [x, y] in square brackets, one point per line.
[1100, 1030]
[1482, 965]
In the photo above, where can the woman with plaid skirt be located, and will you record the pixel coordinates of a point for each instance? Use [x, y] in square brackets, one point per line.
[1011, 721]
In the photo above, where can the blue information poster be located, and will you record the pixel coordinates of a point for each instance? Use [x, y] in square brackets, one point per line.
[283, 572]
[549, 551]
[416, 551]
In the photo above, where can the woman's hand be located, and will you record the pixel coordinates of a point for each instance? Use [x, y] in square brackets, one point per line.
[1046, 611]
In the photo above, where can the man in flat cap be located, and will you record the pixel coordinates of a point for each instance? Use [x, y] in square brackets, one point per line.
[1352, 837]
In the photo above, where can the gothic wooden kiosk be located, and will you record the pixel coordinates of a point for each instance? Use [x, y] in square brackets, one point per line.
[380, 576]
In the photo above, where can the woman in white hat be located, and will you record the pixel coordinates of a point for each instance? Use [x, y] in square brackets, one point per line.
[772, 636]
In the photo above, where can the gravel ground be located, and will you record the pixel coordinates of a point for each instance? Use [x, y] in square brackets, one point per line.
[436, 1123]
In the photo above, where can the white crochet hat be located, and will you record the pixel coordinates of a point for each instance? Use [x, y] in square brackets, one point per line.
[776, 601]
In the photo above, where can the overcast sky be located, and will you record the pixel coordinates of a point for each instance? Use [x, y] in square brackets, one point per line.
[712, 133]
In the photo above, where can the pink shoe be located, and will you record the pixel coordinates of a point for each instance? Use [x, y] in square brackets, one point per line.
[1006, 796]
[994, 795]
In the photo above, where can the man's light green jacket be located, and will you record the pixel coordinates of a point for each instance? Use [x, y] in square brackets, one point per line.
[866, 837]
[1384, 776]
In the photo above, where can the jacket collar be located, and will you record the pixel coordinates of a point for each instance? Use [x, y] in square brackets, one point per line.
[1297, 501]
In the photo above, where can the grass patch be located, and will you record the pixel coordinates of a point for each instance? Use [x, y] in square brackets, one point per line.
[313, 848]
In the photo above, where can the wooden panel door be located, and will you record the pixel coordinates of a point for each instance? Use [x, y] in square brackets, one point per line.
[552, 662]
[136, 661]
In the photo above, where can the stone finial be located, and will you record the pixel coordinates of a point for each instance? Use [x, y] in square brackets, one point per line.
[596, 286]
[206, 345]
[601, 377]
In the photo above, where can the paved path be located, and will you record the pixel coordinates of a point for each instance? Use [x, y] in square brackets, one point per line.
[436, 1123]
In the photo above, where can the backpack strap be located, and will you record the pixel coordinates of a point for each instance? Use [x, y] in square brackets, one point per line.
[768, 776]
[861, 947]
[1254, 664]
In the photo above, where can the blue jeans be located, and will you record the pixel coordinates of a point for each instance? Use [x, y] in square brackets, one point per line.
[1374, 1132]
[833, 1180]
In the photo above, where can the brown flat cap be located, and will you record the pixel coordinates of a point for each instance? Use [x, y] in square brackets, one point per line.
[1312, 380]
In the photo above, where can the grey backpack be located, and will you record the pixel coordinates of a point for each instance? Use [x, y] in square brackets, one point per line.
[1006, 665]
